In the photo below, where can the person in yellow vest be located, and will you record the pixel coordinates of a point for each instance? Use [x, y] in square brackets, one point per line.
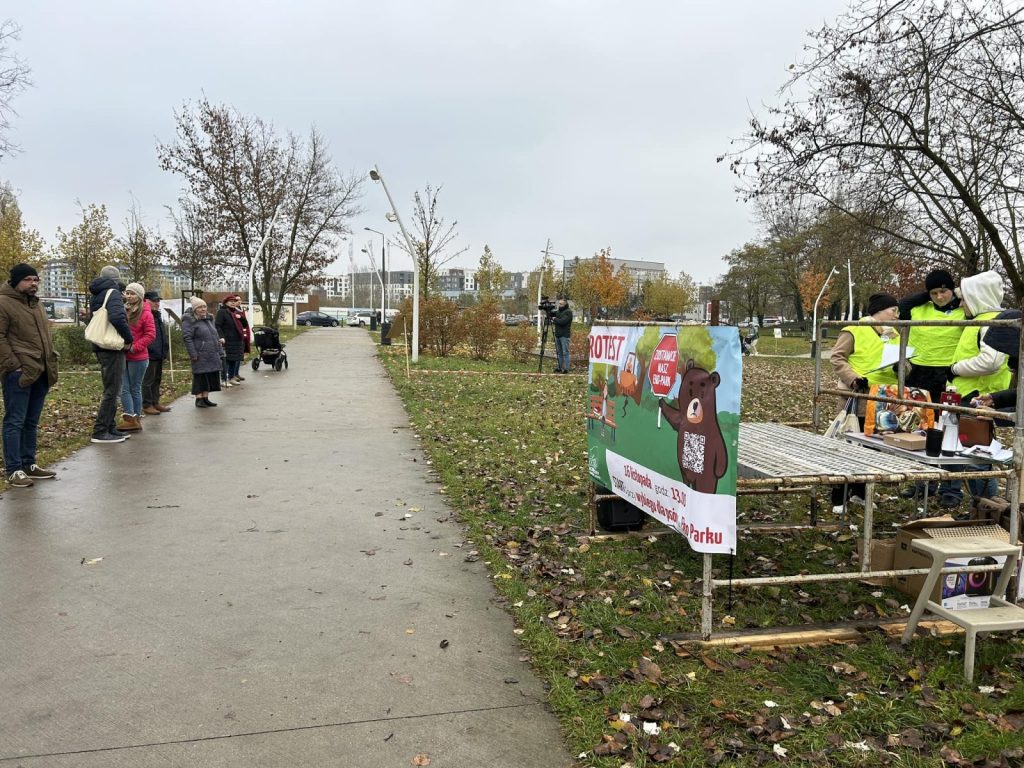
[857, 359]
[857, 353]
[977, 368]
[933, 345]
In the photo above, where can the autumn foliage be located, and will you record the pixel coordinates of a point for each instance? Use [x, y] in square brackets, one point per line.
[482, 328]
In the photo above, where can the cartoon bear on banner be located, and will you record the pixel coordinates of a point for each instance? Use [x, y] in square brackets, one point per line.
[702, 454]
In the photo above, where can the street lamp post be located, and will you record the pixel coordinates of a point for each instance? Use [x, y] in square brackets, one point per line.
[252, 267]
[376, 175]
[384, 271]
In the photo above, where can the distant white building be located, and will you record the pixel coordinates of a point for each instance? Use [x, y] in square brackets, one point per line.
[57, 280]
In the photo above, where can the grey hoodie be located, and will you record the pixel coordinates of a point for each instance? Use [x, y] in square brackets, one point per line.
[978, 294]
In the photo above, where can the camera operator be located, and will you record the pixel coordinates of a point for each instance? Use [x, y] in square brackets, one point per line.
[562, 320]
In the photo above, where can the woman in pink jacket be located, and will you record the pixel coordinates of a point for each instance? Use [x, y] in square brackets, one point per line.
[140, 320]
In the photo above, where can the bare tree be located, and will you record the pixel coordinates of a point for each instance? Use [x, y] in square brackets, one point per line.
[13, 80]
[239, 171]
[193, 251]
[142, 248]
[432, 236]
[907, 116]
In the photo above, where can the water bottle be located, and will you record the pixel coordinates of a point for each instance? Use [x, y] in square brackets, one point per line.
[950, 423]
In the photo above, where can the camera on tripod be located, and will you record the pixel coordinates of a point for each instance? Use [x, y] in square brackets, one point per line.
[547, 306]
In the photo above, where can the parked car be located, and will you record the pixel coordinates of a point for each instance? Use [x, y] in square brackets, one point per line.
[360, 318]
[516, 320]
[317, 318]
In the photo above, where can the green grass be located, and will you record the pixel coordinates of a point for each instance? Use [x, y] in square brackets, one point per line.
[594, 617]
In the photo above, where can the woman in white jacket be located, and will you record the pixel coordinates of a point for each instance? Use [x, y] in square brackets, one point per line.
[977, 368]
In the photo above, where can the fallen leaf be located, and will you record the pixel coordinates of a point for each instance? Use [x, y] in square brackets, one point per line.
[711, 664]
[649, 669]
[420, 759]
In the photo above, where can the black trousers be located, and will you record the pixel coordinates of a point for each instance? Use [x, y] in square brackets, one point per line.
[852, 489]
[932, 379]
[111, 374]
[151, 383]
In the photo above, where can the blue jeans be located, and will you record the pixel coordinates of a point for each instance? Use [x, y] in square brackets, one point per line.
[131, 386]
[562, 352]
[982, 487]
[22, 408]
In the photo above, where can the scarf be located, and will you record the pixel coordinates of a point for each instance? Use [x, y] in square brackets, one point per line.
[134, 312]
[239, 317]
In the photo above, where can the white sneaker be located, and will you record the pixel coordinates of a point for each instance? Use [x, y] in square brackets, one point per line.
[226, 384]
[19, 479]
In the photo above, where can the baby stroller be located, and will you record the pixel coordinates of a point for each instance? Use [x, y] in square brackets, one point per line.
[270, 349]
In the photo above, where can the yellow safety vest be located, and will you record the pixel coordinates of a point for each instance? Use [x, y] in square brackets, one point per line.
[867, 354]
[968, 347]
[935, 345]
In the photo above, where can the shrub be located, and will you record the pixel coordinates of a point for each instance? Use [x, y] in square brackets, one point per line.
[441, 325]
[482, 328]
[579, 348]
[521, 341]
[70, 343]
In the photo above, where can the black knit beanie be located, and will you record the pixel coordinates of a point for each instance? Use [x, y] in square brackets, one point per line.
[879, 301]
[19, 272]
[939, 278]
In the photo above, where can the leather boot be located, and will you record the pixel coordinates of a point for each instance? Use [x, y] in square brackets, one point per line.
[130, 424]
[152, 410]
[162, 408]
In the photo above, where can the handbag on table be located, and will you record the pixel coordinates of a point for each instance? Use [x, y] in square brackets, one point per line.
[976, 430]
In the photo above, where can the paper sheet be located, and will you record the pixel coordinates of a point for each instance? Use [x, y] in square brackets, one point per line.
[891, 355]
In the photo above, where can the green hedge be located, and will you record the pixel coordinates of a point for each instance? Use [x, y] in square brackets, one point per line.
[69, 341]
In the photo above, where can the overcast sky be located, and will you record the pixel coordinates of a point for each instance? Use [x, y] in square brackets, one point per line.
[591, 123]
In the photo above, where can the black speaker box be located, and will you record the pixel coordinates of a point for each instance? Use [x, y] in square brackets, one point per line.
[617, 515]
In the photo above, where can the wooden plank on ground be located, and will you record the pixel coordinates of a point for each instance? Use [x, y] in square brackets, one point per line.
[846, 633]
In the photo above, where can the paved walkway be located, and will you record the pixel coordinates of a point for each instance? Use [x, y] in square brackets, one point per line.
[267, 583]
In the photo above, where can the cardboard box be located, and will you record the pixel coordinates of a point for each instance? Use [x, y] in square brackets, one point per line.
[954, 591]
[908, 441]
[882, 552]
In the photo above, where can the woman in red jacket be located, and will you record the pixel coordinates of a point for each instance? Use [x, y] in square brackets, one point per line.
[140, 321]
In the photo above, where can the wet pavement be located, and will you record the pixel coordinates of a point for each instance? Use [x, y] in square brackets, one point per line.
[266, 583]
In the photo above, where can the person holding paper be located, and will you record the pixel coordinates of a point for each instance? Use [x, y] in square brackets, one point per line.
[857, 359]
[857, 354]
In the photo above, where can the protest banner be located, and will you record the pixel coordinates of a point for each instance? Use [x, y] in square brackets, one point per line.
[663, 425]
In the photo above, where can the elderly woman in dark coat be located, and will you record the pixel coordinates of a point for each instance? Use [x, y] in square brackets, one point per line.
[205, 351]
[233, 329]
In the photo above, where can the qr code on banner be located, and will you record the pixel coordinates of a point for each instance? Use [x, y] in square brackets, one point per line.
[693, 452]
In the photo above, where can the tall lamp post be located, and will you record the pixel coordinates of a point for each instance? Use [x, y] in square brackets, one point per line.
[252, 267]
[376, 175]
[384, 271]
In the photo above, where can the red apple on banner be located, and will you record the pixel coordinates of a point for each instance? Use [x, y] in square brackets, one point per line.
[663, 370]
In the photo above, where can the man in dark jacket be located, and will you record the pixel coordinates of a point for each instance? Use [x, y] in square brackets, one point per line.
[159, 350]
[563, 330]
[105, 288]
[28, 364]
